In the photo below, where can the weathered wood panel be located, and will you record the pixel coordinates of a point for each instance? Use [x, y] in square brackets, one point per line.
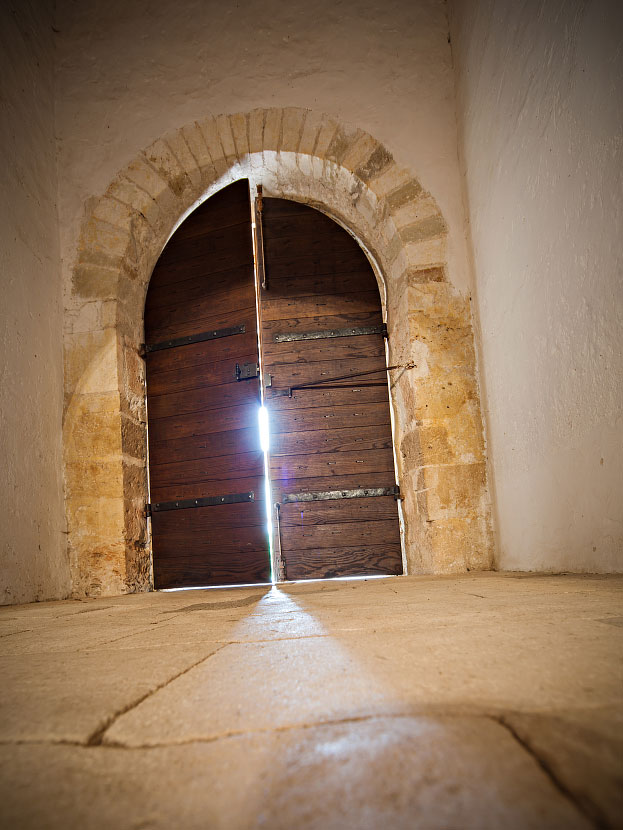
[326, 438]
[202, 423]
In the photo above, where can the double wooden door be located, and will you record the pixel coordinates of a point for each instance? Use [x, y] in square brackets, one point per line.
[330, 460]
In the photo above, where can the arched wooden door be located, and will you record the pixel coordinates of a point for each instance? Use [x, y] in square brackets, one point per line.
[331, 457]
[331, 460]
[206, 467]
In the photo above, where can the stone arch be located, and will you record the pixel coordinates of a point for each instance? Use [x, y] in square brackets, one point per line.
[298, 154]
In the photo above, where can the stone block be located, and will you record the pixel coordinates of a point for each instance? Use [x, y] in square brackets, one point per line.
[135, 479]
[449, 342]
[450, 539]
[391, 178]
[86, 476]
[292, 129]
[97, 545]
[136, 535]
[102, 243]
[452, 491]
[460, 544]
[366, 207]
[360, 151]
[180, 149]
[85, 317]
[93, 402]
[131, 294]
[311, 128]
[113, 212]
[440, 319]
[238, 124]
[327, 130]
[378, 162]
[223, 126]
[199, 149]
[272, 129]
[91, 362]
[146, 177]
[211, 134]
[424, 229]
[403, 194]
[160, 155]
[439, 301]
[393, 248]
[95, 281]
[427, 253]
[455, 440]
[421, 275]
[133, 438]
[256, 130]
[93, 434]
[128, 192]
[132, 371]
[341, 143]
[415, 211]
[444, 394]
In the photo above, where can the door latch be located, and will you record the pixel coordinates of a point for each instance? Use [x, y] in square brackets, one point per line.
[247, 370]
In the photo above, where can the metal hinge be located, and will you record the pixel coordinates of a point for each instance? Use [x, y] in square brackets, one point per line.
[247, 370]
[328, 333]
[206, 501]
[331, 495]
[215, 334]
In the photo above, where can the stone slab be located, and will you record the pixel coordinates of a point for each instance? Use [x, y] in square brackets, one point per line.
[384, 772]
[69, 696]
[583, 749]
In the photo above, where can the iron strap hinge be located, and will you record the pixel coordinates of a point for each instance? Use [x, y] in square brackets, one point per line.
[330, 495]
[206, 501]
[192, 338]
[327, 333]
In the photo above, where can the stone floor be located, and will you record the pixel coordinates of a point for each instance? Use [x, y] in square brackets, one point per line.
[478, 701]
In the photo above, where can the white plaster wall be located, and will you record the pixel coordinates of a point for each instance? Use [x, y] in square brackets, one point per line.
[33, 562]
[131, 71]
[539, 102]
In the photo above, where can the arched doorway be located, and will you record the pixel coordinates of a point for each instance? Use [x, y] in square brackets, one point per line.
[330, 472]
[308, 157]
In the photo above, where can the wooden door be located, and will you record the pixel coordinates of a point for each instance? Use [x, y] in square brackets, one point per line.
[206, 466]
[331, 458]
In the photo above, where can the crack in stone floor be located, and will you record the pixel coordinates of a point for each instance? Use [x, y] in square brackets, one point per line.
[359, 705]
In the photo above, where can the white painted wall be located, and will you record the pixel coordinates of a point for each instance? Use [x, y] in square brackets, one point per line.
[539, 91]
[33, 562]
[540, 110]
[131, 71]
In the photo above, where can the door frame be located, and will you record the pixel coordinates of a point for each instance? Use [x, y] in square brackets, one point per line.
[299, 155]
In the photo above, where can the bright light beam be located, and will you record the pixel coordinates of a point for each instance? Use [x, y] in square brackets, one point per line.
[264, 444]
[264, 435]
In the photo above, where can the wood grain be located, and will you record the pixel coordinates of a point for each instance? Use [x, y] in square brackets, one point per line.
[326, 438]
[202, 423]
[327, 563]
[306, 514]
[330, 440]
